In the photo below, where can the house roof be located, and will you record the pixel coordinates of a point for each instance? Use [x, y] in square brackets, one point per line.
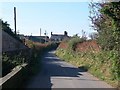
[41, 36]
[57, 35]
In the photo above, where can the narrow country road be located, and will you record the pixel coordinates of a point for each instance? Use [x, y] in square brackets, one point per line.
[56, 73]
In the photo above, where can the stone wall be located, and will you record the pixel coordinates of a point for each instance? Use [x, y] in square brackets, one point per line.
[11, 44]
[15, 78]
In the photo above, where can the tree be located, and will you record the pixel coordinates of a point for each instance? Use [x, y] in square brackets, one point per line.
[112, 11]
[107, 24]
[7, 29]
[105, 18]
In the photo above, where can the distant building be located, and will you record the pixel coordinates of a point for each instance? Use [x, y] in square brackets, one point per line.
[59, 37]
[41, 39]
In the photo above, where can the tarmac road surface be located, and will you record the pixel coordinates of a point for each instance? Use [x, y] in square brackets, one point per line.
[56, 73]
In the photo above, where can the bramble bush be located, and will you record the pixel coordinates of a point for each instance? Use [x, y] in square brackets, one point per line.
[73, 41]
[37, 51]
[31, 56]
[102, 64]
[13, 59]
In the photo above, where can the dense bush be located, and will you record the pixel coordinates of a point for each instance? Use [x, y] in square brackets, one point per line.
[30, 56]
[103, 64]
[37, 51]
[99, 64]
[73, 41]
[105, 18]
[13, 59]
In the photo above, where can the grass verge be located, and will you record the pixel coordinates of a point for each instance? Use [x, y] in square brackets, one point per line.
[99, 64]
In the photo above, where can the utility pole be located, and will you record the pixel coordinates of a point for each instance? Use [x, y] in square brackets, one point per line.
[15, 19]
[45, 35]
[40, 31]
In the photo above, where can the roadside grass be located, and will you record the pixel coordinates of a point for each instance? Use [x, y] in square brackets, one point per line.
[98, 64]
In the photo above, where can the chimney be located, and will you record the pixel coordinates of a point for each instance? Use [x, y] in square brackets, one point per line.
[51, 33]
[65, 33]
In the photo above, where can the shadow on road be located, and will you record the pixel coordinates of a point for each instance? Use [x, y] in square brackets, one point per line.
[53, 67]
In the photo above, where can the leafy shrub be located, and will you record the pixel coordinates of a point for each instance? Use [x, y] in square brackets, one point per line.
[73, 41]
[12, 59]
[115, 67]
[103, 64]
[37, 51]
[105, 19]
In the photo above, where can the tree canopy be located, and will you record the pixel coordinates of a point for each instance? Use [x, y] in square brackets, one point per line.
[7, 29]
[105, 18]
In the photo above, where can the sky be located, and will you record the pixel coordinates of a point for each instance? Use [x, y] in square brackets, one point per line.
[55, 17]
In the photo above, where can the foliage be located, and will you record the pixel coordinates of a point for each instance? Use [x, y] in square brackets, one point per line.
[112, 11]
[13, 59]
[37, 51]
[107, 24]
[115, 67]
[30, 56]
[101, 64]
[7, 29]
[73, 41]
[105, 18]
[104, 64]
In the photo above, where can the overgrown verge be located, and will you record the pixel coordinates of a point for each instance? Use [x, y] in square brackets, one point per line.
[31, 56]
[102, 64]
[37, 51]
[14, 58]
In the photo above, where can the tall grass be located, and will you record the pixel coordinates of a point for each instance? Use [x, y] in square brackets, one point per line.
[102, 64]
